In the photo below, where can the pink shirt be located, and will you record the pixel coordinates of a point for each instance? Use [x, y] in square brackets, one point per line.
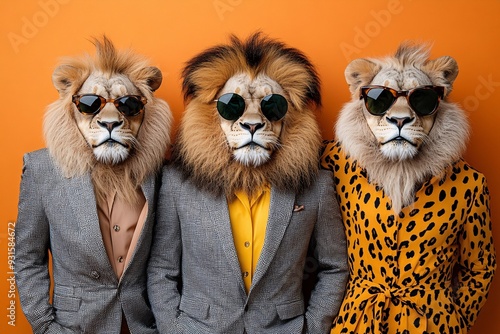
[121, 224]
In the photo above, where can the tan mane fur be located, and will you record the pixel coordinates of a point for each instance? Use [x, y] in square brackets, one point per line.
[67, 145]
[444, 145]
[201, 149]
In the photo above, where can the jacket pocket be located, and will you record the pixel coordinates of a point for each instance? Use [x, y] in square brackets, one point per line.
[194, 308]
[64, 299]
[67, 306]
[290, 310]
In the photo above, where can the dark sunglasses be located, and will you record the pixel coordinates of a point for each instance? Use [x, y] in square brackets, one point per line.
[128, 105]
[423, 100]
[231, 106]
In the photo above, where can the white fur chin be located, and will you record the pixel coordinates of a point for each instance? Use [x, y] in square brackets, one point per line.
[111, 154]
[399, 151]
[251, 156]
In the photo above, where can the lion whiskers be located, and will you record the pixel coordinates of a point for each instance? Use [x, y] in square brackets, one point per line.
[398, 151]
[251, 156]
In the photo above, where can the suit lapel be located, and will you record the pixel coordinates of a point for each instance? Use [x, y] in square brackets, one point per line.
[219, 216]
[81, 198]
[148, 188]
[280, 213]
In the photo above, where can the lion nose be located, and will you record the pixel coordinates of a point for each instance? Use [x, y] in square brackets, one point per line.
[109, 125]
[400, 121]
[251, 127]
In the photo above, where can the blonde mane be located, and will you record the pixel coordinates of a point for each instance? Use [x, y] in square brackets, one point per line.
[68, 147]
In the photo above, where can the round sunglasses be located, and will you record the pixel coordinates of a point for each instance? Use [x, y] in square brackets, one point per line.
[91, 104]
[423, 100]
[231, 106]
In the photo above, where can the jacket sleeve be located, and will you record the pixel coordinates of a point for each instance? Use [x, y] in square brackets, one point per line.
[330, 253]
[477, 261]
[164, 267]
[32, 253]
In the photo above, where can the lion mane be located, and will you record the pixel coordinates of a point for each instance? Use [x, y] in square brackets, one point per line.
[67, 145]
[201, 150]
[443, 146]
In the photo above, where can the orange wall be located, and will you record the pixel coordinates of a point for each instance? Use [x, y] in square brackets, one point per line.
[36, 33]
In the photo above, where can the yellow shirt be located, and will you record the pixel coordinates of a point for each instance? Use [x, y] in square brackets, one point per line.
[248, 222]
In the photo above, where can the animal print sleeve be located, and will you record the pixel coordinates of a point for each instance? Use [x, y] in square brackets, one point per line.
[477, 260]
[327, 148]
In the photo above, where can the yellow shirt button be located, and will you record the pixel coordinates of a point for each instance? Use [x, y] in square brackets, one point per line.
[247, 244]
[245, 274]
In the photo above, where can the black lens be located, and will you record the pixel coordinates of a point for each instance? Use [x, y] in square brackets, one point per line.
[424, 101]
[378, 100]
[89, 104]
[129, 105]
[231, 106]
[274, 107]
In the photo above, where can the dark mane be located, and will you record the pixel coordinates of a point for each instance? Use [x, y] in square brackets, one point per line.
[252, 55]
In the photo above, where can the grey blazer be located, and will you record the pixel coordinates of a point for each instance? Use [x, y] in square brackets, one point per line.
[59, 214]
[195, 283]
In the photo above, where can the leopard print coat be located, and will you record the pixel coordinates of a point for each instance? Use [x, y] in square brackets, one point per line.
[426, 269]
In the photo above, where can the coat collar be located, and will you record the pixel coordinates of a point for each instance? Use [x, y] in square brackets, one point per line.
[81, 197]
[280, 212]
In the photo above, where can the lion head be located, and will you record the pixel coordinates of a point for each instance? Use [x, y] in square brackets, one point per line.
[399, 125]
[107, 121]
[249, 117]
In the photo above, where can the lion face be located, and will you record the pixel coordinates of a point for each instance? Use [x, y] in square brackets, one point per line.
[398, 148]
[400, 132]
[109, 133]
[262, 130]
[252, 138]
[118, 148]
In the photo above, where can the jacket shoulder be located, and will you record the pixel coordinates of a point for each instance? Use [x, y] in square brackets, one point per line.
[38, 161]
[39, 158]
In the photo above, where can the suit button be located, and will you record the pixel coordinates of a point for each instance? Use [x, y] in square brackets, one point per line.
[94, 274]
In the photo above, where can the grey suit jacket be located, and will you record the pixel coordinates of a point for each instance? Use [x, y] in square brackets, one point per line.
[59, 214]
[195, 283]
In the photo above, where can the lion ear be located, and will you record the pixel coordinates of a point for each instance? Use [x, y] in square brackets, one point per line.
[61, 78]
[66, 76]
[443, 71]
[360, 72]
[153, 77]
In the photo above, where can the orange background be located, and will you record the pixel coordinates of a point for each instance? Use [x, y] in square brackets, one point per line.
[35, 34]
